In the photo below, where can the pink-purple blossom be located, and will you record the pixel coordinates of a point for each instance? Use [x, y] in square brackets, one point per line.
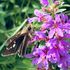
[57, 26]
[54, 32]
[44, 2]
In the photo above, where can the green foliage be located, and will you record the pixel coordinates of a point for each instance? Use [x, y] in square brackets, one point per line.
[67, 6]
[12, 18]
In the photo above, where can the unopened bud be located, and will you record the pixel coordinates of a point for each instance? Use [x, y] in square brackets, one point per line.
[43, 9]
[56, 3]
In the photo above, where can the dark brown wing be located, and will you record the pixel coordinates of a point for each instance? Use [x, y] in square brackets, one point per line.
[17, 41]
[23, 46]
[13, 46]
[15, 38]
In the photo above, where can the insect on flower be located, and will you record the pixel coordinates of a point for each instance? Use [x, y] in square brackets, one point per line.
[19, 42]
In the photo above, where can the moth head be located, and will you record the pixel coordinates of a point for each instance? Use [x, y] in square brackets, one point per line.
[30, 28]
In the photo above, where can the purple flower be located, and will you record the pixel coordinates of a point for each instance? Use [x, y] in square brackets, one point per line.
[64, 18]
[64, 62]
[48, 23]
[67, 36]
[44, 2]
[40, 35]
[58, 53]
[34, 39]
[53, 52]
[65, 43]
[65, 23]
[55, 48]
[54, 32]
[53, 55]
[56, 2]
[57, 26]
[54, 26]
[41, 16]
[30, 20]
[40, 57]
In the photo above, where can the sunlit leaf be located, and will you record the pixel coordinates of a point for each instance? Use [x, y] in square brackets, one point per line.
[7, 60]
[50, 2]
[60, 10]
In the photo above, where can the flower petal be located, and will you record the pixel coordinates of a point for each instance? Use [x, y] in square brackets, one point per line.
[30, 20]
[37, 12]
[44, 2]
[51, 33]
[59, 32]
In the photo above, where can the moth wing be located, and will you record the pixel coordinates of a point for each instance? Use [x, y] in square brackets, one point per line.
[23, 47]
[13, 46]
[16, 38]
[18, 41]
[8, 52]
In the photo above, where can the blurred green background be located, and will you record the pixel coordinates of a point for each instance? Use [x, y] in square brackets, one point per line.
[12, 14]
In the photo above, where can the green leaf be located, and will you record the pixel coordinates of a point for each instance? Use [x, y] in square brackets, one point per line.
[65, 5]
[24, 64]
[7, 60]
[25, 9]
[30, 11]
[50, 2]
[2, 16]
[67, 12]
[12, 1]
[35, 5]
[11, 31]
[60, 10]
[2, 38]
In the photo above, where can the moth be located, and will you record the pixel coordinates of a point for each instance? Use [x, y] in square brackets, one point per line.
[19, 42]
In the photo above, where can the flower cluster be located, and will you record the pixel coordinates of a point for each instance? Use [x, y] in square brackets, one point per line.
[54, 32]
